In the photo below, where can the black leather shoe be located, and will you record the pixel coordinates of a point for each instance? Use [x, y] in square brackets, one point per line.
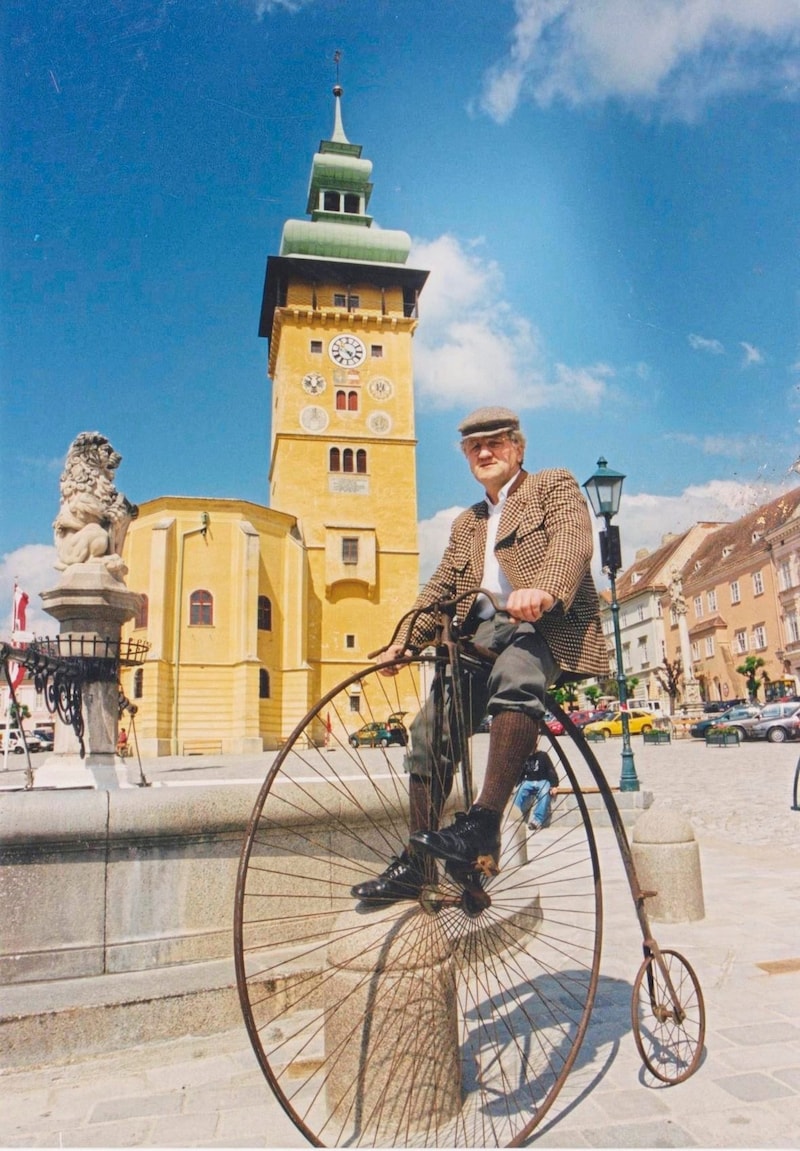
[404, 878]
[473, 840]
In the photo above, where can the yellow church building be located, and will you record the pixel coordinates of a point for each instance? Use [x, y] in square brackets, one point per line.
[253, 613]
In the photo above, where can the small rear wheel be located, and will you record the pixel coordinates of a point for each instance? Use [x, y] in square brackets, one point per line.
[669, 1035]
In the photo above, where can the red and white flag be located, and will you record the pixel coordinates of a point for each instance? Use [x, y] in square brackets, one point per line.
[18, 623]
[21, 601]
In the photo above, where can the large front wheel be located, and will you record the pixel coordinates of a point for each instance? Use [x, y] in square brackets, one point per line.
[448, 1019]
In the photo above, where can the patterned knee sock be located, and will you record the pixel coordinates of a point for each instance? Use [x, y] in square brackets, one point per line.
[512, 739]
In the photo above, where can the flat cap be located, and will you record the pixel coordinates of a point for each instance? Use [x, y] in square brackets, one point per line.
[488, 422]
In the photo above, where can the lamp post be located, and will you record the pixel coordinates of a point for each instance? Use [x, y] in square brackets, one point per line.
[604, 490]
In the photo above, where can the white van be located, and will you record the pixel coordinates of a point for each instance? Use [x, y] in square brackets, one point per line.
[653, 705]
[16, 744]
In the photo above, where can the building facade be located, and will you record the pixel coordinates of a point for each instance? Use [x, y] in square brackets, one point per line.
[253, 613]
[732, 603]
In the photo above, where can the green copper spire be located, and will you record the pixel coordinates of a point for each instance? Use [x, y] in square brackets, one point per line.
[338, 195]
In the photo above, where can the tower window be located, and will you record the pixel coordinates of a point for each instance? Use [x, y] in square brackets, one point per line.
[331, 201]
[352, 203]
[335, 460]
[347, 460]
[264, 613]
[201, 608]
[350, 550]
[263, 683]
[352, 401]
[341, 401]
[361, 461]
[350, 641]
[376, 351]
[315, 347]
[349, 300]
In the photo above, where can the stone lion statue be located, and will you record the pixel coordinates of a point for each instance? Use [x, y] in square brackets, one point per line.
[93, 518]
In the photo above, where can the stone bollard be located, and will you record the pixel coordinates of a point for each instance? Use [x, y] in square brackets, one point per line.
[391, 1025]
[667, 860]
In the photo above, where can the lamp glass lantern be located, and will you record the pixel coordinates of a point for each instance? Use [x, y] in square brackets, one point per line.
[604, 490]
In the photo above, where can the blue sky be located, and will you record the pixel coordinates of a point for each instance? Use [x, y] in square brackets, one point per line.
[606, 196]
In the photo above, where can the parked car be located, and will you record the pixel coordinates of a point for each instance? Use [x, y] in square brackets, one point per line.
[712, 706]
[46, 739]
[638, 721]
[16, 744]
[380, 734]
[777, 723]
[580, 719]
[734, 717]
[554, 726]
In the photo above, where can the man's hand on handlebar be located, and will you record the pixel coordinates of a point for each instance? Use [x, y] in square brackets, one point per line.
[529, 603]
[392, 652]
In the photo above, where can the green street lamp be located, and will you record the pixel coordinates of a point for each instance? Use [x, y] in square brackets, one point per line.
[604, 490]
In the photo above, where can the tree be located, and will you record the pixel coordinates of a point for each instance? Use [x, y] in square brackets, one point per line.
[566, 695]
[748, 669]
[670, 676]
[593, 693]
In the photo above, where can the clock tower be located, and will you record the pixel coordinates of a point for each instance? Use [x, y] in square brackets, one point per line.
[339, 309]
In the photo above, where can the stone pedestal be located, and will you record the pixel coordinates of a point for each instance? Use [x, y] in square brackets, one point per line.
[391, 1026]
[667, 861]
[91, 607]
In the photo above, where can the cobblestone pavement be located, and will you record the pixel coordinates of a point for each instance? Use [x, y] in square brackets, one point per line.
[209, 1092]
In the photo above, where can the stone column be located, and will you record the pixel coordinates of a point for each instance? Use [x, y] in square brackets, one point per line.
[91, 606]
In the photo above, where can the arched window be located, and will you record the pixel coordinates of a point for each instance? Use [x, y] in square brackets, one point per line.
[361, 461]
[347, 460]
[341, 401]
[264, 613]
[352, 203]
[352, 401]
[201, 608]
[335, 460]
[138, 683]
[263, 683]
[140, 619]
[331, 201]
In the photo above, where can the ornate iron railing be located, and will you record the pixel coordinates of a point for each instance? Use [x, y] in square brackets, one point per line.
[60, 666]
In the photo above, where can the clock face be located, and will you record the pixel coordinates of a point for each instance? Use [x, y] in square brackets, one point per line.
[313, 383]
[380, 388]
[347, 351]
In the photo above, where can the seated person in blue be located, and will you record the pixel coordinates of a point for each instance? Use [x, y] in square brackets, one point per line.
[533, 793]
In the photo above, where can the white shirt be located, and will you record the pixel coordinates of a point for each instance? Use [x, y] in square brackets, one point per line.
[494, 578]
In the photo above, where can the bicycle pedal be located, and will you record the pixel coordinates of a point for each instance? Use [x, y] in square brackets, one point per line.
[487, 865]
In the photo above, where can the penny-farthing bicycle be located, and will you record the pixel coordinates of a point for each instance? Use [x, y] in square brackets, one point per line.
[452, 1019]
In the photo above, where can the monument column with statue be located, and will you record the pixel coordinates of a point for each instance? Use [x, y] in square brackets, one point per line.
[91, 603]
[692, 699]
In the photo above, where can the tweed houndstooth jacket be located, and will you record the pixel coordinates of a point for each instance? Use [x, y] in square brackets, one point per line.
[544, 541]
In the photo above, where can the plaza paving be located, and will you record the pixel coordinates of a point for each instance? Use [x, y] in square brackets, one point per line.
[207, 1092]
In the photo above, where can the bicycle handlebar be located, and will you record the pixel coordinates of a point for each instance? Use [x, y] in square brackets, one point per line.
[445, 606]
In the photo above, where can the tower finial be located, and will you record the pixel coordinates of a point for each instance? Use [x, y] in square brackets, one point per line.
[338, 127]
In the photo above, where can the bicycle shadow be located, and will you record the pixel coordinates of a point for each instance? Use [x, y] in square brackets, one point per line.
[515, 1014]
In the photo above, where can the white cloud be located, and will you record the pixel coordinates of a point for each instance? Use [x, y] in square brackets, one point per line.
[644, 519]
[460, 339]
[433, 536]
[678, 55]
[751, 354]
[703, 344]
[32, 568]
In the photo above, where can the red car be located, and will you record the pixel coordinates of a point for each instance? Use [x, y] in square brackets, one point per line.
[554, 726]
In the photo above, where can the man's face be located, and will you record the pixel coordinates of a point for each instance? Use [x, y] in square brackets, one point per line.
[493, 460]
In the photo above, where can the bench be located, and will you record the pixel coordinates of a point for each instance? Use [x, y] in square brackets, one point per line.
[202, 747]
